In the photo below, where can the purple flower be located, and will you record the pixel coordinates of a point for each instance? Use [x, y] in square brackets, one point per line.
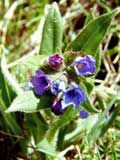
[57, 86]
[55, 60]
[73, 96]
[57, 107]
[40, 82]
[83, 114]
[85, 65]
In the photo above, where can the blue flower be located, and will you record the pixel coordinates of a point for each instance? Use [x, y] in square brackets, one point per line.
[57, 107]
[73, 96]
[85, 65]
[40, 82]
[83, 114]
[55, 60]
[57, 86]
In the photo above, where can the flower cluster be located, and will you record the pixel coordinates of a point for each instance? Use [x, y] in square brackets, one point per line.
[64, 94]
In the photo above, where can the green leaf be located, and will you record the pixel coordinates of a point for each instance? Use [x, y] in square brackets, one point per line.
[96, 130]
[82, 125]
[109, 121]
[64, 120]
[52, 31]
[7, 93]
[61, 136]
[26, 64]
[27, 102]
[45, 147]
[89, 84]
[36, 127]
[89, 18]
[33, 62]
[24, 102]
[9, 118]
[88, 106]
[98, 58]
[6, 96]
[29, 60]
[8, 77]
[88, 40]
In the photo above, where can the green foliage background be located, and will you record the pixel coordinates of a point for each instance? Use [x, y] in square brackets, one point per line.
[24, 44]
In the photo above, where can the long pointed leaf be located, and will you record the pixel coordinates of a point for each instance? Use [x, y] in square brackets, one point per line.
[90, 37]
[96, 130]
[52, 31]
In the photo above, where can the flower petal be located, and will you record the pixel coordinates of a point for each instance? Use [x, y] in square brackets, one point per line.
[73, 96]
[85, 65]
[40, 82]
[83, 114]
[57, 86]
[39, 73]
[57, 107]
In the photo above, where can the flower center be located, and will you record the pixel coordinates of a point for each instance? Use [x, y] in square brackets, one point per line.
[43, 81]
[80, 66]
[72, 93]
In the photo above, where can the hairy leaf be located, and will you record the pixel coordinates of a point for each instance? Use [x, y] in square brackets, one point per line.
[52, 31]
[45, 147]
[27, 102]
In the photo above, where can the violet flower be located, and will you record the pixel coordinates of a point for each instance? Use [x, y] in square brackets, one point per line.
[85, 65]
[57, 107]
[40, 82]
[73, 96]
[57, 86]
[83, 114]
[55, 60]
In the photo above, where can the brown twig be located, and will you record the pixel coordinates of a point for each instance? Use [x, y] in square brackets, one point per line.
[11, 135]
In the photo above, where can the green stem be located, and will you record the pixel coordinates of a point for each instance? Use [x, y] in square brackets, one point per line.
[9, 119]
